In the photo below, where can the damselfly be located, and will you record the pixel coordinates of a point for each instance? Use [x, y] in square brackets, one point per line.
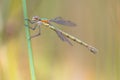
[62, 35]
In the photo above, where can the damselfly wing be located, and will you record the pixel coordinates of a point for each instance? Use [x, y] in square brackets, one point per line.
[62, 37]
[60, 20]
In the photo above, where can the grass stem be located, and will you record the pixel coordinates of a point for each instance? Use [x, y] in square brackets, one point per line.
[30, 54]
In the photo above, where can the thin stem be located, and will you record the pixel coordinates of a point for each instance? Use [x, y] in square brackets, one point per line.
[31, 62]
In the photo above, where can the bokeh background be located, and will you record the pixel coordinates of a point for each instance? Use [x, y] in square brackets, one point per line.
[98, 23]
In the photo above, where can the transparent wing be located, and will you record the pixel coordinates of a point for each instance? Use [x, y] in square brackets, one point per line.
[60, 20]
[62, 37]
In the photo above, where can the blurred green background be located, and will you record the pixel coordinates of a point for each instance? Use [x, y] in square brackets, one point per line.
[98, 23]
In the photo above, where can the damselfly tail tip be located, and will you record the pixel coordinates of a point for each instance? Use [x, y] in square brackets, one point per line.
[93, 49]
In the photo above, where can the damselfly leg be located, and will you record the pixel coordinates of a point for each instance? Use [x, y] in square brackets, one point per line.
[38, 34]
[32, 22]
[35, 25]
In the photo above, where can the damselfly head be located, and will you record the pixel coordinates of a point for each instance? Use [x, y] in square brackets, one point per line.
[35, 18]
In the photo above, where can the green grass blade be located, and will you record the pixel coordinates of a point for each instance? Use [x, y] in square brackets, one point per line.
[31, 62]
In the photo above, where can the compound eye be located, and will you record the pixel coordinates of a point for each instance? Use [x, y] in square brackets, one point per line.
[35, 18]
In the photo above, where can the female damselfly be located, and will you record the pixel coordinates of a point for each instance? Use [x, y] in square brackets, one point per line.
[62, 35]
